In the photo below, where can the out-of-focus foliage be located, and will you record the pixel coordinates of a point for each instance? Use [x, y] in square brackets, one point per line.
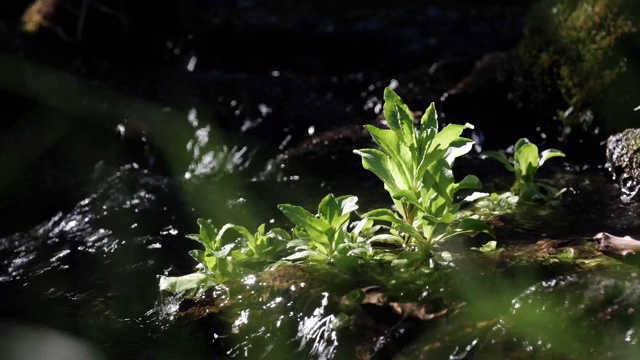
[37, 15]
[583, 51]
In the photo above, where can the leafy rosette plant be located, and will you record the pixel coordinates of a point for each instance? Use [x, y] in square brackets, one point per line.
[325, 237]
[218, 261]
[525, 164]
[415, 166]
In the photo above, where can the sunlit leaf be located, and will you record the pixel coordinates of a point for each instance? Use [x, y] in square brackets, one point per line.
[398, 153]
[520, 143]
[377, 162]
[224, 252]
[488, 247]
[398, 116]
[301, 255]
[469, 182]
[348, 204]
[457, 148]
[548, 154]
[362, 225]
[279, 234]
[448, 135]
[474, 196]
[329, 208]
[198, 255]
[527, 161]
[207, 231]
[408, 196]
[429, 120]
[386, 238]
[298, 243]
[187, 282]
[304, 219]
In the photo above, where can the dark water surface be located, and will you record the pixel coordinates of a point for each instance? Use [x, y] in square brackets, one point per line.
[109, 157]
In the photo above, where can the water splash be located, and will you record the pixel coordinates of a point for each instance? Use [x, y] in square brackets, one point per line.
[318, 331]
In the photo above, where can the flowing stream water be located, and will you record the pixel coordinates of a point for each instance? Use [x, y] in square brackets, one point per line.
[105, 178]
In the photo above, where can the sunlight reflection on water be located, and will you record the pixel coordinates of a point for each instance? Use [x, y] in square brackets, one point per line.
[318, 329]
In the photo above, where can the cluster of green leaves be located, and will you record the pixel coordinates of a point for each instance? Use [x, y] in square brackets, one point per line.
[415, 166]
[525, 164]
[326, 236]
[223, 255]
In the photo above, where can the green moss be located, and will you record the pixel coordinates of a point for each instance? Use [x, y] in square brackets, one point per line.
[581, 51]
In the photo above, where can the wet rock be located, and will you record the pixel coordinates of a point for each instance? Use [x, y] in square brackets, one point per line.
[573, 316]
[623, 161]
[583, 315]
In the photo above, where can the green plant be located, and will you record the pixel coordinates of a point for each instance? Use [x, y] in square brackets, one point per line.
[218, 261]
[415, 167]
[490, 247]
[525, 163]
[325, 236]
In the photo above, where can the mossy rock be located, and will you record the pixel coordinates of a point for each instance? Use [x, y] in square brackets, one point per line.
[577, 57]
[623, 161]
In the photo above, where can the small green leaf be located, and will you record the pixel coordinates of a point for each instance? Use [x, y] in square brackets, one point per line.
[378, 163]
[429, 120]
[488, 247]
[398, 116]
[199, 256]
[390, 216]
[474, 196]
[409, 197]
[527, 161]
[304, 219]
[348, 203]
[280, 234]
[187, 282]
[457, 148]
[297, 243]
[362, 225]
[398, 153]
[208, 232]
[381, 214]
[474, 225]
[386, 238]
[329, 208]
[302, 255]
[469, 182]
[439, 178]
[520, 143]
[548, 154]
[245, 233]
[224, 252]
[497, 155]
